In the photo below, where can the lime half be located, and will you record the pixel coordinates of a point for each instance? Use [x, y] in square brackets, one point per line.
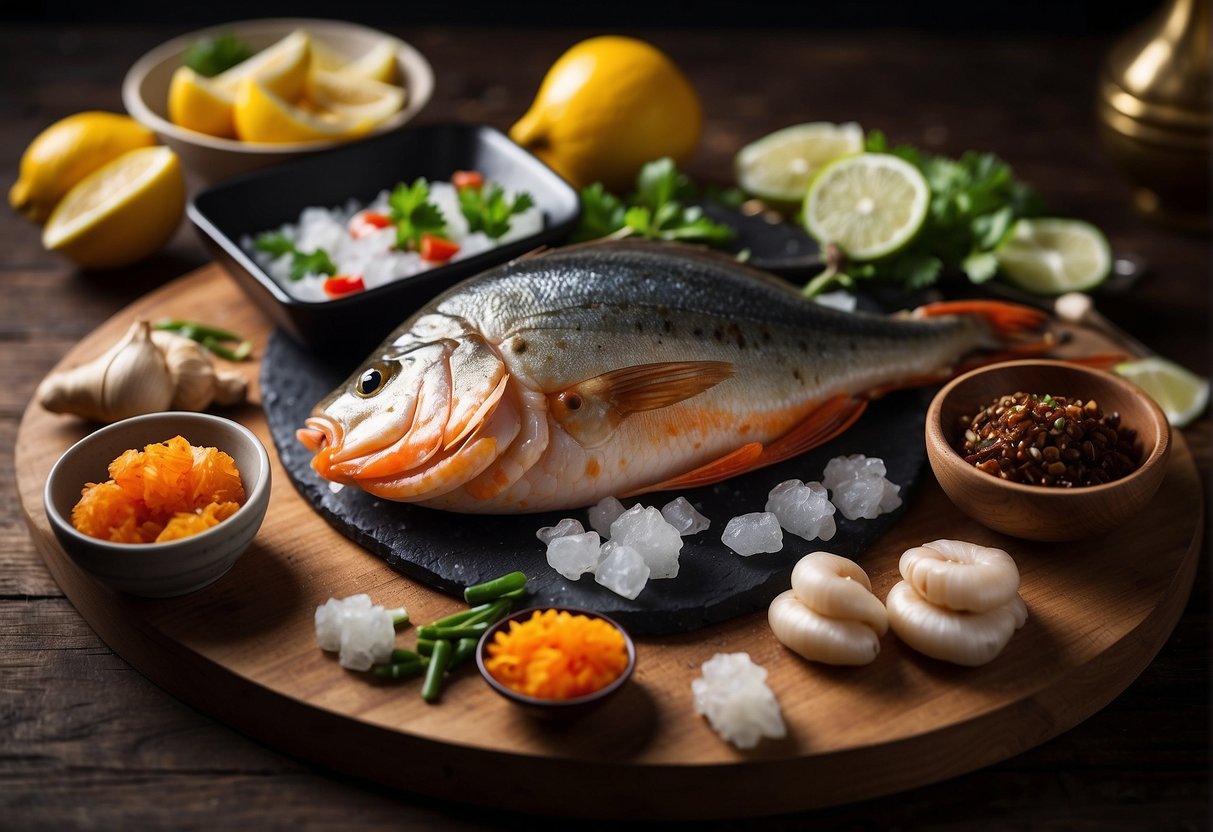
[1051, 256]
[779, 167]
[870, 205]
[1181, 394]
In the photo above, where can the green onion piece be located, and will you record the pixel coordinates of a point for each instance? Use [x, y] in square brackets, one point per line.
[399, 616]
[1060, 423]
[490, 613]
[400, 670]
[465, 648]
[459, 617]
[431, 688]
[453, 633]
[494, 589]
[210, 337]
[402, 655]
[425, 646]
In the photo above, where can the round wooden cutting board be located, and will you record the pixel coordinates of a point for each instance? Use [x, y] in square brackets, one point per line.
[244, 651]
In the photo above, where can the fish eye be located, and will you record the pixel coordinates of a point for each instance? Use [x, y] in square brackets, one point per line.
[371, 381]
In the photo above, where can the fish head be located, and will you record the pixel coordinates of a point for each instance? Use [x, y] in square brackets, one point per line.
[406, 413]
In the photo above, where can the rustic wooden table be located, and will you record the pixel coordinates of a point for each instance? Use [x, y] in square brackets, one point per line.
[89, 743]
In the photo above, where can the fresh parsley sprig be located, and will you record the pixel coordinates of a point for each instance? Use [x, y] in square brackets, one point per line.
[975, 201]
[414, 214]
[211, 56]
[486, 208]
[302, 262]
[657, 210]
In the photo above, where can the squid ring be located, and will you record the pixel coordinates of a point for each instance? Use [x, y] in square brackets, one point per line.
[961, 576]
[837, 587]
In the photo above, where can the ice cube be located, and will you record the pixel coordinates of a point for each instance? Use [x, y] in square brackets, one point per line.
[604, 514]
[804, 509]
[842, 468]
[646, 530]
[859, 488]
[622, 570]
[733, 694]
[575, 554]
[680, 514]
[565, 527]
[750, 534]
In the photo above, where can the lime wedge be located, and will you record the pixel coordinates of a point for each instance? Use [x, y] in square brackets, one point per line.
[870, 205]
[1180, 393]
[779, 167]
[1052, 256]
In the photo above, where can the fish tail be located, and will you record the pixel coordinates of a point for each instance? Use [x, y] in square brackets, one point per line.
[1010, 322]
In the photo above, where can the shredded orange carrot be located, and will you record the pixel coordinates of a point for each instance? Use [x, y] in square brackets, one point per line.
[167, 491]
[557, 655]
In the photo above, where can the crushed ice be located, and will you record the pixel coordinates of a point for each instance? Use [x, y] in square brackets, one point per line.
[859, 488]
[680, 514]
[362, 633]
[733, 694]
[803, 509]
[753, 533]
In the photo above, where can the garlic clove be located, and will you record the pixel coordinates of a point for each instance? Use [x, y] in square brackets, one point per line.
[965, 638]
[819, 638]
[196, 382]
[837, 587]
[960, 575]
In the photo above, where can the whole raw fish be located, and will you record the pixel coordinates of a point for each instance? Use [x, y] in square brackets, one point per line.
[620, 368]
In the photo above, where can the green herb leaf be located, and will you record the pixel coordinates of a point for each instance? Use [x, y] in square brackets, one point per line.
[210, 56]
[317, 262]
[486, 209]
[274, 242]
[414, 214]
[658, 209]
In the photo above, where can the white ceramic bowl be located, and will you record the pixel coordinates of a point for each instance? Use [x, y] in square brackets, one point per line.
[159, 570]
[211, 159]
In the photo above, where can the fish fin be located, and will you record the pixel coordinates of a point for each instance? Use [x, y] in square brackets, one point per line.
[654, 386]
[823, 423]
[1007, 320]
[731, 464]
[590, 410]
[477, 418]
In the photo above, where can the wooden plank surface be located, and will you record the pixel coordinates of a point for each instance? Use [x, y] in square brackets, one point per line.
[91, 744]
[244, 651]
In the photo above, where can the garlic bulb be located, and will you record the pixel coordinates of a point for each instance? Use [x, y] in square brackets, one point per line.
[145, 372]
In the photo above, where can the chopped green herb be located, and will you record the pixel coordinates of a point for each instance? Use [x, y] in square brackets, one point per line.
[487, 209]
[302, 263]
[210, 56]
[657, 210]
[414, 214]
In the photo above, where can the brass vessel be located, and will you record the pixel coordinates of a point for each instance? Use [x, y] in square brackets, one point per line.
[1154, 112]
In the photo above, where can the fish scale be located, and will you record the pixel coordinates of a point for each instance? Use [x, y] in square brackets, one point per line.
[591, 336]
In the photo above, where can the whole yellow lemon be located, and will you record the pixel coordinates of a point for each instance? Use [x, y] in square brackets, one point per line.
[606, 107]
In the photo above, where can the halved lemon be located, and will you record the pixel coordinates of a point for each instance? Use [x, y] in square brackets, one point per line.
[262, 116]
[779, 166]
[353, 96]
[870, 204]
[1053, 255]
[120, 213]
[1181, 394]
[196, 103]
[282, 67]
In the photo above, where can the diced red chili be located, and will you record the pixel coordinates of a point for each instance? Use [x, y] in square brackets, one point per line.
[367, 222]
[343, 284]
[437, 249]
[467, 179]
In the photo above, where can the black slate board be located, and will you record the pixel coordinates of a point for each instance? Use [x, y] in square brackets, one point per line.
[449, 551]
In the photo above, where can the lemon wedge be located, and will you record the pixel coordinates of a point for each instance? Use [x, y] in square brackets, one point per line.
[281, 67]
[67, 151]
[379, 63]
[196, 103]
[120, 213]
[870, 204]
[1181, 394]
[779, 166]
[354, 97]
[262, 116]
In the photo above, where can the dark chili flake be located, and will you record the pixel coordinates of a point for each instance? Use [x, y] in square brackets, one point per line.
[1048, 440]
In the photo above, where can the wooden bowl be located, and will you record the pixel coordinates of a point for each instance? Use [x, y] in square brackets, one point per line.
[159, 570]
[554, 708]
[1038, 512]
